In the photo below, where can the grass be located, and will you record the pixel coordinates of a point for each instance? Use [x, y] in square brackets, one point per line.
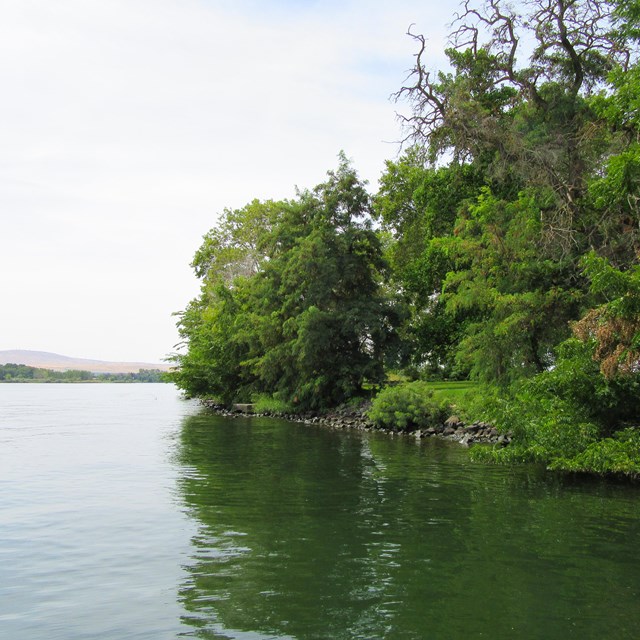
[461, 395]
[452, 391]
[458, 393]
[263, 403]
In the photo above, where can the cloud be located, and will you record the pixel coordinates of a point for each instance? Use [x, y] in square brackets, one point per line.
[127, 125]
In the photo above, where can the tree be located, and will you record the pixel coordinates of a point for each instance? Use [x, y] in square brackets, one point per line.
[613, 326]
[237, 245]
[230, 257]
[417, 206]
[523, 115]
[517, 304]
[295, 308]
[537, 107]
[211, 364]
[326, 325]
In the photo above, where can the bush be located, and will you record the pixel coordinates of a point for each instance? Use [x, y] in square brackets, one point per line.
[619, 454]
[570, 417]
[407, 407]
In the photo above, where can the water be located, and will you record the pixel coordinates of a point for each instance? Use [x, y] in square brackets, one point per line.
[126, 512]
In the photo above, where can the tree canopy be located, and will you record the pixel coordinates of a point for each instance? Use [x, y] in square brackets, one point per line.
[292, 300]
[503, 244]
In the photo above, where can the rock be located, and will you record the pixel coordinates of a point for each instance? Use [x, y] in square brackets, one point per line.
[453, 429]
[243, 408]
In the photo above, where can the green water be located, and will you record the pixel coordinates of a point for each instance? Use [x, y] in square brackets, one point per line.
[307, 533]
[127, 513]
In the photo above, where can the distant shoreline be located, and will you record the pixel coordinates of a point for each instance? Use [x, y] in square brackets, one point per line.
[62, 363]
[16, 373]
[95, 381]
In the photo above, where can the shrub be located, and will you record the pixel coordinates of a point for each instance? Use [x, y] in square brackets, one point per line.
[571, 417]
[619, 454]
[407, 407]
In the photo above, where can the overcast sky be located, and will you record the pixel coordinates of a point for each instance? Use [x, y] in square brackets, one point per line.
[126, 126]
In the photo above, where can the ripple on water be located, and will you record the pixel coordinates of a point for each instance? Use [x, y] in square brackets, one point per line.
[127, 513]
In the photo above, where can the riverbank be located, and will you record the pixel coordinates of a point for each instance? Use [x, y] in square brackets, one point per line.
[453, 428]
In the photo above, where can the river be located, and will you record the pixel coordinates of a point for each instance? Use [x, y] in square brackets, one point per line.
[127, 512]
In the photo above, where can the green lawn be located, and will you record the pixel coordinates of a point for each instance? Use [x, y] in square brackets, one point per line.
[453, 391]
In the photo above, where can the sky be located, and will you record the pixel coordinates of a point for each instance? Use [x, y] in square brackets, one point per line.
[127, 126]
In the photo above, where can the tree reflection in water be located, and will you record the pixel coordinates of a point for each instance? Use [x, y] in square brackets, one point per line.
[310, 533]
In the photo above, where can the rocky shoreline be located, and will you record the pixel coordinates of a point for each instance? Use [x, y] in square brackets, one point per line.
[453, 428]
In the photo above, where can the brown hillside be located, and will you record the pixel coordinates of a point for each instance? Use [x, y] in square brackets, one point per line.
[57, 362]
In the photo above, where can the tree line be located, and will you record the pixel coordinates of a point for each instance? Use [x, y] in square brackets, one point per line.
[23, 373]
[502, 246]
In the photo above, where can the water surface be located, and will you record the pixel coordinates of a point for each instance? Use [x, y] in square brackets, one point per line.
[127, 512]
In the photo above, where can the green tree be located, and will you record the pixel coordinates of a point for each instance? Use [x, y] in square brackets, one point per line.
[417, 206]
[309, 319]
[326, 323]
[211, 364]
[528, 108]
[522, 115]
[213, 325]
[613, 326]
[517, 304]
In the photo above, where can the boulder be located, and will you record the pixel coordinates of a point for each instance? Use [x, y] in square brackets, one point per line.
[243, 408]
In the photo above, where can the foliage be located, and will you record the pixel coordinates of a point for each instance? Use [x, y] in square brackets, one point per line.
[615, 325]
[235, 247]
[619, 454]
[310, 320]
[143, 375]
[559, 416]
[408, 406]
[511, 109]
[417, 203]
[546, 141]
[505, 249]
[263, 403]
[211, 365]
[516, 305]
[417, 207]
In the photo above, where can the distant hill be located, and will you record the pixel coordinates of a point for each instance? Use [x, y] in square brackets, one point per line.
[57, 362]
